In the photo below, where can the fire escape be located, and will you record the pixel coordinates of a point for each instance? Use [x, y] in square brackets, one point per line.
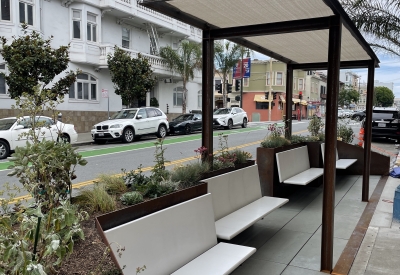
[154, 41]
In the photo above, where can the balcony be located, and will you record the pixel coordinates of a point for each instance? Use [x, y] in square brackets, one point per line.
[156, 62]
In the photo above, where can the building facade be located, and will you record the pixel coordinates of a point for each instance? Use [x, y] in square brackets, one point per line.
[92, 28]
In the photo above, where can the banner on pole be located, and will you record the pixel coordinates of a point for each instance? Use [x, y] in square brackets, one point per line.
[238, 69]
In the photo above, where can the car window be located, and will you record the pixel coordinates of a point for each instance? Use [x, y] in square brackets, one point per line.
[26, 122]
[151, 112]
[159, 113]
[125, 114]
[143, 113]
[198, 116]
[184, 117]
[379, 115]
[222, 111]
[45, 121]
[5, 124]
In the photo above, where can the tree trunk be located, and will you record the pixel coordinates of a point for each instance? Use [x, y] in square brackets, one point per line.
[184, 97]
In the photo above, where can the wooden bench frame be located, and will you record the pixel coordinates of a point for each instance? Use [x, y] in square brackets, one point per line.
[237, 201]
[340, 163]
[179, 240]
[294, 167]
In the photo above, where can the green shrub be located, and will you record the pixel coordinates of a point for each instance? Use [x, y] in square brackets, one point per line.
[157, 189]
[190, 174]
[134, 179]
[114, 185]
[131, 198]
[315, 126]
[345, 132]
[96, 199]
[274, 142]
[297, 139]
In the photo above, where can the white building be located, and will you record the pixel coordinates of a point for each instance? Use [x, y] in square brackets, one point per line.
[92, 28]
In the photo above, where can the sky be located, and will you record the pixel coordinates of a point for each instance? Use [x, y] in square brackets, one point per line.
[389, 70]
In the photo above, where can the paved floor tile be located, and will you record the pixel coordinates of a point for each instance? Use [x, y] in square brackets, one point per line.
[344, 226]
[255, 236]
[309, 256]
[294, 270]
[282, 247]
[350, 207]
[306, 221]
[258, 267]
[383, 262]
[299, 200]
[278, 218]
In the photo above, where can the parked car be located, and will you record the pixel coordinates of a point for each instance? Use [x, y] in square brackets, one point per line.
[229, 117]
[385, 123]
[341, 113]
[358, 116]
[186, 124]
[130, 124]
[11, 129]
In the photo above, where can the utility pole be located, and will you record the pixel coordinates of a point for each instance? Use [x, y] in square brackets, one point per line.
[270, 89]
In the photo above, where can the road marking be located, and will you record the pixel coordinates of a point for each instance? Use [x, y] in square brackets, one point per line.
[146, 169]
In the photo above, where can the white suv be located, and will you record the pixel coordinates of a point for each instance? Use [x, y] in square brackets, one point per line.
[130, 124]
[229, 117]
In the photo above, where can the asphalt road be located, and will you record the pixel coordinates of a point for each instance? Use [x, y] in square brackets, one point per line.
[111, 158]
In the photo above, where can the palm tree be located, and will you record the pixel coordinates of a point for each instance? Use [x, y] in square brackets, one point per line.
[184, 61]
[227, 54]
[378, 20]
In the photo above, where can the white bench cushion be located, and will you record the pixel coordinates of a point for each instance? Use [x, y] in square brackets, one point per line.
[166, 240]
[221, 259]
[340, 163]
[305, 177]
[234, 223]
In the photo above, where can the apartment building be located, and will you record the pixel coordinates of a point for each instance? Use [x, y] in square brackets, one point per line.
[92, 28]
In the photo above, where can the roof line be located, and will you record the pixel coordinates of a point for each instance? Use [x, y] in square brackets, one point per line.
[324, 65]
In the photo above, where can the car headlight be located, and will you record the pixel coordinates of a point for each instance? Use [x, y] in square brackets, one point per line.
[94, 127]
[116, 126]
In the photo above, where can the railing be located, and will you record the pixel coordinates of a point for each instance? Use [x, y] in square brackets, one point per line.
[155, 61]
[125, 1]
[152, 11]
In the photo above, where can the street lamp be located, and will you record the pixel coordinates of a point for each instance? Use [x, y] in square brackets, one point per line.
[241, 82]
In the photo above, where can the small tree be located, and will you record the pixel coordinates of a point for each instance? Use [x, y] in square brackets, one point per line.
[184, 61]
[132, 77]
[384, 96]
[347, 95]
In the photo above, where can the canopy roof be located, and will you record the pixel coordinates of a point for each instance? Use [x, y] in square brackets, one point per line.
[292, 31]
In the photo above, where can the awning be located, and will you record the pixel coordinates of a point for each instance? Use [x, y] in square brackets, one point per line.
[295, 100]
[282, 99]
[260, 98]
[217, 95]
[304, 102]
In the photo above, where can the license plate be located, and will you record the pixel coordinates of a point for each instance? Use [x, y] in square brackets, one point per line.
[101, 134]
[381, 124]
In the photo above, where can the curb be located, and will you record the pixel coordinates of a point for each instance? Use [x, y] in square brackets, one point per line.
[83, 143]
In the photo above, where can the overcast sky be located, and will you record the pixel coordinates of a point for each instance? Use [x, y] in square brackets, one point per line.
[389, 71]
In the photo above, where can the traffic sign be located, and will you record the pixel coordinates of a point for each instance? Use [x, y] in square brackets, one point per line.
[104, 93]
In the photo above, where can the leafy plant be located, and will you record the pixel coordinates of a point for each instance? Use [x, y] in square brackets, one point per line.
[154, 102]
[131, 198]
[190, 174]
[158, 172]
[136, 178]
[226, 157]
[316, 126]
[114, 185]
[275, 137]
[157, 189]
[96, 199]
[297, 139]
[345, 132]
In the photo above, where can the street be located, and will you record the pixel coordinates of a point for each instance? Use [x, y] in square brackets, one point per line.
[112, 158]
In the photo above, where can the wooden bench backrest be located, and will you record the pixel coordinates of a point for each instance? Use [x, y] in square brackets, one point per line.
[166, 240]
[323, 152]
[234, 190]
[292, 162]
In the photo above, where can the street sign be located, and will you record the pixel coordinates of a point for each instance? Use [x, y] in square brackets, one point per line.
[104, 93]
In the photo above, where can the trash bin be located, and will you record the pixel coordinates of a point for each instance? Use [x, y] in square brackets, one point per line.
[396, 205]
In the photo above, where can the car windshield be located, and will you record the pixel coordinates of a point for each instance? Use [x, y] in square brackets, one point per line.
[125, 114]
[384, 115]
[183, 118]
[222, 111]
[6, 123]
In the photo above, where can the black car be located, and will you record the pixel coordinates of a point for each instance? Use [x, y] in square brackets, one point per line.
[358, 116]
[186, 124]
[385, 123]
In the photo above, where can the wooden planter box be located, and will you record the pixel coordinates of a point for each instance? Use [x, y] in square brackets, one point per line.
[227, 170]
[268, 170]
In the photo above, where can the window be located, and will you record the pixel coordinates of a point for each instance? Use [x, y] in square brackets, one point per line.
[84, 88]
[125, 38]
[279, 79]
[294, 84]
[3, 89]
[91, 28]
[178, 96]
[301, 81]
[246, 82]
[199, 98]
[262, 105]
[5, 10]
[142, 112]
[76, 24]
[25, 13]
[268, 79]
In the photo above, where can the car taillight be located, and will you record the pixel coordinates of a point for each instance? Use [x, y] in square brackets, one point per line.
[74, 128]
[167, 119]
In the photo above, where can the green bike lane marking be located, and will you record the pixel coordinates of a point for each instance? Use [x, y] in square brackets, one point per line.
[120, 149]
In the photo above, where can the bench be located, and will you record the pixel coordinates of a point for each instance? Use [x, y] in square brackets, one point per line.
[178, 240]
[237, 201]
[294, 167]
[340, 163]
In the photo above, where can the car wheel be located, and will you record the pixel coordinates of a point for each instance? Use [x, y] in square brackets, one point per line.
[128, 135]
[162, 131]
[244, 125]
[65, 138]
[230, 124]
[357, 118]
[188, 129]
[4, 150]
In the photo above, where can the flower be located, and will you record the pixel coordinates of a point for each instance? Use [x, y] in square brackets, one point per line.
[275, 136]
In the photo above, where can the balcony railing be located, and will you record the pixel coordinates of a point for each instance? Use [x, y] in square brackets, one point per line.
[155, 61]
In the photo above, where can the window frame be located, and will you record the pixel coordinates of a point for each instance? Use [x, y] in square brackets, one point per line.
[200, 99]
[300, 86]
[5, 83]
[9, 11]
[177, 91]
[246, 83]
[90, 25]
[26, 14]
[122, 38]
[75, 19]
[276, 79]
[267, 78]
[89, 83]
